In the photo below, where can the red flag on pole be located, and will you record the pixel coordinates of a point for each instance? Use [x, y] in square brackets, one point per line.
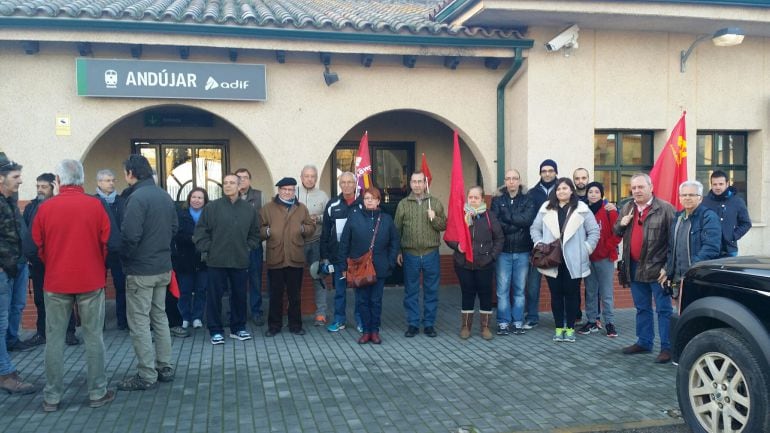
[670, 168]
[363, 165]
[426, 171]
[456, 228]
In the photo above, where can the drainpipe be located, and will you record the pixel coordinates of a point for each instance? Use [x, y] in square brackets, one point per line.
[517, 61]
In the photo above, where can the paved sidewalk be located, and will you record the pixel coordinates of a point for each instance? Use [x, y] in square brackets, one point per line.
[325, 382]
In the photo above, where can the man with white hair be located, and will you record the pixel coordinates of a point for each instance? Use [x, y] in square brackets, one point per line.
[315, 200]
[71, 231]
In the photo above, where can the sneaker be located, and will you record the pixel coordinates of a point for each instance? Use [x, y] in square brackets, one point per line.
[588, 328]
[108, 397]
[360, 329]
[611, 331]
[35, 340]
[320, 320]
[197, 324]
[178, 331]
[530, 325]
[518, 330]
[502, 329]
[569, 335]
[50, 407]
[20, 346]
[217, 339]
[558, 334]
[136, 383]
[599, 324]
[335, 327]
[241, 335]
[185, 324]
[165, 374]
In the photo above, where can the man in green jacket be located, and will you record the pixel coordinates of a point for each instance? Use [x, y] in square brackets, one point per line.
[420, 218]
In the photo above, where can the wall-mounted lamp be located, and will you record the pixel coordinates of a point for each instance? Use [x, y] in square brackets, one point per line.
[726, 37]
[330, 77]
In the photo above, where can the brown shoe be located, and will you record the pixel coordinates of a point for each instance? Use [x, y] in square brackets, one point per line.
[12, 384]
[108, 397]
[664, 357]
[634, 349]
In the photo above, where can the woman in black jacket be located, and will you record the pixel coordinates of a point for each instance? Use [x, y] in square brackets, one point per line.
[476, 276]
[356, 239]
[191, 272]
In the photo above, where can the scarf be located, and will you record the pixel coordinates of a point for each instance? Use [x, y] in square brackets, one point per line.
[109, 198]
[471, 212]
[195, 214]
[596, 206]
[287, 203]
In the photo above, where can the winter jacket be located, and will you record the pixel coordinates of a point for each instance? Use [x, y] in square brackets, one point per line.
[71, 231]
[539, 194]
[315, 200]
[607, 248]
[418, 234]
[704, 239]
[226, 232]
[733, 216]
[581, 235]
[335, 216]
[185, 257]
[357, 236]
[149, 225]
[487, 239]
[516, 216]
[12, 229]
[285, 230]
[655, 229]
[115, 211]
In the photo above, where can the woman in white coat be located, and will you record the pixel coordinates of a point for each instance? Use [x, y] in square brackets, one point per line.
[565, 217]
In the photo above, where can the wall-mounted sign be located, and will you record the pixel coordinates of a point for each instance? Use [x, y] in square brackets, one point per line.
[63, 125]
[164, 79]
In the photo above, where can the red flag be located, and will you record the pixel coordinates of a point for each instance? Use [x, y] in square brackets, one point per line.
[426, 171]
[363, 165]
[456, 228]
[670, 169]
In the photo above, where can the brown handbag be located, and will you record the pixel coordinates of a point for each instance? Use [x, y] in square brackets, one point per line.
[361, 272]
[549, 255]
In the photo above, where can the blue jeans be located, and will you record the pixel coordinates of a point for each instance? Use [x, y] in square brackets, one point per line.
[369, 305]
[255, 282]
[6, 366]
[340, 298]
[599, 286]
[17, 303]
[645, 324]
[429, 265]
[512, 268]
[533, 295]
[119, 281]
[192, 294]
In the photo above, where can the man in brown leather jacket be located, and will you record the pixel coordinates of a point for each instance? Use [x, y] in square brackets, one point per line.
[644, 224]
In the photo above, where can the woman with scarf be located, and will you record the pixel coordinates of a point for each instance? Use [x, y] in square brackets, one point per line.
[475, 277]
[361, 228]
[191, 271]
[599, 284]
[566, 218]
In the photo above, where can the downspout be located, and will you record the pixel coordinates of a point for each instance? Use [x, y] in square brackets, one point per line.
[517, 61]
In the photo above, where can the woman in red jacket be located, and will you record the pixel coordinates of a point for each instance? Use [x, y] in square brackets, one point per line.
[600, 283]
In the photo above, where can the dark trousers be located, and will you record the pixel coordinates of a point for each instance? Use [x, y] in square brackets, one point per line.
[218, 280]
[565, 298]
[286, 279]
[172, 310]
[369, 305]
[37, 275]
[119, 282]
[473, 283]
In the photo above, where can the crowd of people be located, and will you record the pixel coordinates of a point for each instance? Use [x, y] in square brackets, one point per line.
[67, 240]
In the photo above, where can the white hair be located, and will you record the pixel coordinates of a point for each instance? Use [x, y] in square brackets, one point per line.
[70, 172]
[101, 174]
[692, 183]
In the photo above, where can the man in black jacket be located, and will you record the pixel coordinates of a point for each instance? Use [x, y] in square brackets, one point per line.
[149, 224]
[732, 212]
[515, 211]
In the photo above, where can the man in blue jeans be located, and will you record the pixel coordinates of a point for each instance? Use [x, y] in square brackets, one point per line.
[515, 211]
[420, 219]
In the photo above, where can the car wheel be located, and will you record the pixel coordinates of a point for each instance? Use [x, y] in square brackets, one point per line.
[720, 385]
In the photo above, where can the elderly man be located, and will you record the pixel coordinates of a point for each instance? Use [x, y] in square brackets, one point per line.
[10, 255]
[149, 225]
[286, 224]
[71, 232]
[645, 224]
[315, 199]
[228, 229]
[105, 189]
[731, 209]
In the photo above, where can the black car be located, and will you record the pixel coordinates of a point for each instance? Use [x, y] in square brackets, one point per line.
[721, 341]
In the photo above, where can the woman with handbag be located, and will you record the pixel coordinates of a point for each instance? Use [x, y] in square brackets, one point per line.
[565, 225]
[369, 240]
[475, 277]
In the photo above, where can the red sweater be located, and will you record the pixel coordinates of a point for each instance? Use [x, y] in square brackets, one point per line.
[71, 232]
[607, 248]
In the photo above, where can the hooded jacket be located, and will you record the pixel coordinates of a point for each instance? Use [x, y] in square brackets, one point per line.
[703, 240]
[733, 217]
[581, 234]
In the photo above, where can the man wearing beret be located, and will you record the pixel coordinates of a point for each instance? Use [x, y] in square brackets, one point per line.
[286, 223]
[228, 229]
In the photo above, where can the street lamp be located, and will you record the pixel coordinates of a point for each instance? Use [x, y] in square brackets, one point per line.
[725, 37]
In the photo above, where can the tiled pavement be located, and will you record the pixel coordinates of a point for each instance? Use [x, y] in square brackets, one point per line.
[324, 382]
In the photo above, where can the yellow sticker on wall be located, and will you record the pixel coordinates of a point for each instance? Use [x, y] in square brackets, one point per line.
[63, 125]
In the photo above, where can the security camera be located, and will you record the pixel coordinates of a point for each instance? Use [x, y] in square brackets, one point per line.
[567, 38]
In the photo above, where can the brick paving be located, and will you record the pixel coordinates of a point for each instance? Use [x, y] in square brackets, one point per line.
[325, 382]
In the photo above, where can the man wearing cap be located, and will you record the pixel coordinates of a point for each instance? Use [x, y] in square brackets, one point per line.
[10, 254]
[286, 224]
[226, 233]
[315, 200]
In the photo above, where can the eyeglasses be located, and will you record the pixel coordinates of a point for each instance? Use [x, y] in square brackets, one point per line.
[287, 189]
[513, 178]
[689, 195]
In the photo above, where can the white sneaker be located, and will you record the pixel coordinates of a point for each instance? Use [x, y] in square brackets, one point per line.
[185, 324]
[197, 323]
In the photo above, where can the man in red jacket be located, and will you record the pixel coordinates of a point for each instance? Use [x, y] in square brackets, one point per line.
[71, 231]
